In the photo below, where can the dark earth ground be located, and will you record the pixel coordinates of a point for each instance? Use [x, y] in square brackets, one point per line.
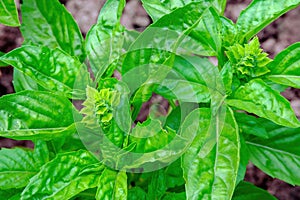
[277, 36]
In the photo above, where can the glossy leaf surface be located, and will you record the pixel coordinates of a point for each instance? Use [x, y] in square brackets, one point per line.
[261, 13]
[112, 185]
[19, 165]
[2, 64]
[247, 191]
[279, 155]
[69, 167]
[23, 82]
[252, 125]
[187, 34]
[105, 39]
[9, 13]
[53, 69]
[33, 115]
[211, 175]
[48, 23]
[212, 79]
[259, 98]
[285, 68]
[156, 9]
[149, 136]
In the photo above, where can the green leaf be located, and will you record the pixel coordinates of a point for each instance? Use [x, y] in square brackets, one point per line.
[186, 34]
[183, 90]
[19, 165]
[228, 32]
[227, 77]
[183, 82]
[244, 160]
[112, 185]
[259, 98]
[279, 155]
[129, 37]
[157, 9]
[247, 191]
[149, 136]
[252, 125]
[88, 194]
[285, 69]
[211, 173]
[177, 116]
[36, 115]
[261, 13]
[174, 175]
[23, 82]
[108, 110]
[212, 78]
[9, 13]
[53, 69]
[157, 185]
[62, 177]
[105, 39]
[208, 32]
[10, 194]
[136, 193]
[2, 64]
[149, 157]
[248, 60]
[49, 23]
[175, 196]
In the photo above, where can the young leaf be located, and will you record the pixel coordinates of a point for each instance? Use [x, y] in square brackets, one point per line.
[247, 191]
[112, 185]
[62, 177]
[157, 9]
[248, 60]
[285, 69]
[19, 165]
[279, 155]
[9, 13]
[32, 115]
[259, 98]
[53, 69]
[42, 25]
[261, 13]
[105, 39]
[211, 175]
